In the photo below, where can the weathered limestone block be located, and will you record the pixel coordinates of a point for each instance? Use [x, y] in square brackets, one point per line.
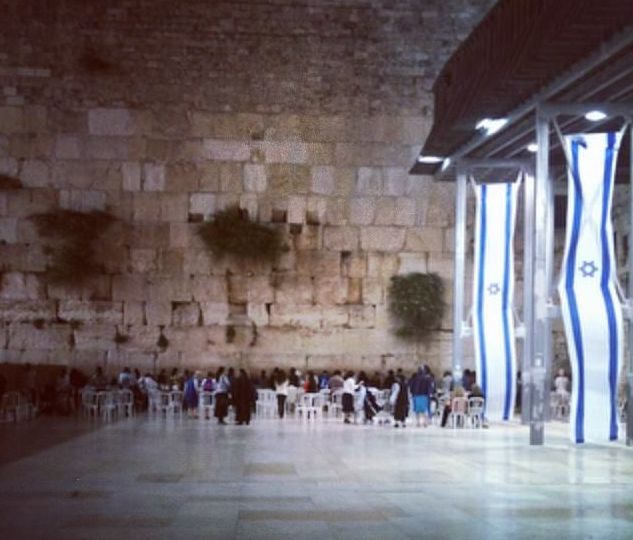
[369, 181]
[230, 177]
[296, 209]
[129, 287]
[26, 336]
[354, 265]
[385, 211]
[373, 291]
[330, 290]
[154, 177]
[441, 264]
[18, 311]
[202, 204]
[316, 210]
[158, 312]
[382, 265]
[362, 316]
[362, 210]
[101, 175]
[214, 312]
[250, 203]
[182, 176]
[449, 240]
[255, 178]
[354, 291]
[95, 337]
[35, 173]
[395, 181]
[323, 181]
[227, 150]
[9, 230]
[118, 121]
[238, 289]
[305, 316]
[133, 313]
[143, 338]
[82, 200]
[412, 262]
[186, 314]
[3, 204]
[336, 212]
[210, 176]
[425, 239]
[176, 288]
[441, 197]
[142, 260]
[67, 146]
[259, 290]
[18, 286]
[389, 239]
[341, 238]
[288, 179]
[198, 262]
[209, 288]
[309, 238]
[91, 312]
[146, 206]
[112, 148]
[174, 207]
[131, 173]
[12, 119]
[189, 150]
[257, 313]
[405, 212]
[335, 316]
[319, 263]
[181, 235]
[294, 152]
[294, 290]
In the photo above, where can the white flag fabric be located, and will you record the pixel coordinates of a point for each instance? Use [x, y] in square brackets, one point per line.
[493, 291]
[591, 308]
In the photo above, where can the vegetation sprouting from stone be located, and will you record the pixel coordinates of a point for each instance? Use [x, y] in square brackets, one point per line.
[416, 301]
[72, 243]
[233, 232]
[9, 182]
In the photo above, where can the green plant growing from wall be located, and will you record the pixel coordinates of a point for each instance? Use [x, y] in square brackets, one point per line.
[233, 232]
[72, 243]
[416, 301]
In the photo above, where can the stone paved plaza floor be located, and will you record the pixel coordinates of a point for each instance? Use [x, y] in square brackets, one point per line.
[156, 479]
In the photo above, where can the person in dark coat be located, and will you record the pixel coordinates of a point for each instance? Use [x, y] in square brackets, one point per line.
[221, 398]
[399, 400]
[243, 391]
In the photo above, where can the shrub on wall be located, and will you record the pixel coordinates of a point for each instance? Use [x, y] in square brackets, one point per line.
[417, 302]
[73, 237]
[233, 232]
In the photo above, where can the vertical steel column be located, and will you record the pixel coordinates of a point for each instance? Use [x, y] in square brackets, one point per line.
[550, 292]
[629, 374]
[528, 292]
[540, 284]
[458, 275]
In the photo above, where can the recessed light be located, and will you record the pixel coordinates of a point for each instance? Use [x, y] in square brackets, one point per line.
[595, 116]
[430, 159]
[532, 147]
[491, 125]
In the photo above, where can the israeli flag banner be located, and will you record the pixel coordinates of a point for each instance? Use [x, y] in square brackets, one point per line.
[592, 313]
[493, 291]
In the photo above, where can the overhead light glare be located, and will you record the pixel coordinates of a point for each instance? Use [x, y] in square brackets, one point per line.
[532, 147]
[430, 159]
[491, 125]
[595, 116]
[446, 164]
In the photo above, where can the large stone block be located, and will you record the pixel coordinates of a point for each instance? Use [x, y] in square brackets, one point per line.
[354, 265]
[67, 146]
[154, 177]
[330, 290]
[143, 260]
[369, 181]
[131, 173]
[117, 121]
[385, 211]
[210, 288]
[100, 175]
[174, 207]
[257, 313]
[182, 176]
[389, 239]
[260, 290]
[255, 178]
[323, 181]
[285, 152]
[198, 262]
[335, 316]
[9, 230]
[405, 212]
[310, 238]
[294, 290]
[129, 287]
[316, 210]
[319, 263]
[362, 210]
[362, 316]
[373, 291]
[133, 313]
[82, 200]
[425, 239]
[412, 262]
[186, 314]
[227, 150]
[296, 209]
[175, 288]
[18, 286]
[35, 173]
[214, 312]
[158, 312]
[95, 337]
[382, 265]
[394, 181]
[299, 316]
[442, 264]
[91, 312]
[11, 119]
[146, 206]
[336, 212]
[26, 336]
[12, 311]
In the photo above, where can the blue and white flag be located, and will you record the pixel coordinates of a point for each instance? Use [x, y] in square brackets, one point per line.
[591, 308]
[493, 322]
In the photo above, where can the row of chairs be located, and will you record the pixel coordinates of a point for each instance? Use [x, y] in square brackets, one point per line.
[306, 405]
[465, 412]
[107, 404]
[15, 407]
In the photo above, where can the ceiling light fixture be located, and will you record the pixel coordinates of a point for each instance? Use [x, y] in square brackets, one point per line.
[430, 159]
[491, 125]
[595, 116]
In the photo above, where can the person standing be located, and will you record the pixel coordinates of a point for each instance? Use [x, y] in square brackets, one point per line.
[399, 400]
[191, 394]
[223, 387]
[281, 390]
[242, 392]
[421, 389]
[349, 388]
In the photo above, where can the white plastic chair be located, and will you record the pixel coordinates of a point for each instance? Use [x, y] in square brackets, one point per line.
[310, 406]
[174, 407]
[336, 403]
[107, 404]
[291, 400]
[125, 402]
[475, 412]
[459, 408]
[266, 402]
[89, 404]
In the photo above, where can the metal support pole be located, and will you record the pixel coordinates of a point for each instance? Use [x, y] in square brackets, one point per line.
[458, 276]
[540, 283]
[629, 386]
[528, 296]
[548, 247]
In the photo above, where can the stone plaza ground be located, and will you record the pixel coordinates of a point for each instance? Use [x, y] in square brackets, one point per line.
[155, 478]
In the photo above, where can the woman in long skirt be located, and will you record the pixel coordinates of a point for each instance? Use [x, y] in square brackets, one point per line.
[349, 388]
[399, 399]
[242, 392]
[223, 387]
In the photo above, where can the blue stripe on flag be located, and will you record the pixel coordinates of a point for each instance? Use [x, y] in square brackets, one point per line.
[571, 295]
[604, 286]
[506, 291]
[480, 290]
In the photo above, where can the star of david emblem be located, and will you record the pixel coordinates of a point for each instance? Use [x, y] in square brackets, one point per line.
[588, 268]
[493, 288]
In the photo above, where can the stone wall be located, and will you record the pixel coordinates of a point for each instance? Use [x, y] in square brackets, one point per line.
[306, 114]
